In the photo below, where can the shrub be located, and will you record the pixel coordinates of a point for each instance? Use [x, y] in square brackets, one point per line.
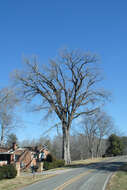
[115, 147]
[49, 158]
[60, 163]
[7, 172]
[54, 164]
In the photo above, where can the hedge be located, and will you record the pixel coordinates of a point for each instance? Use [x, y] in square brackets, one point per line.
[7, 172]
[53, 164]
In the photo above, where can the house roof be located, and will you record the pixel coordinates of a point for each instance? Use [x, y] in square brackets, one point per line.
[5, 153]
[3, 149]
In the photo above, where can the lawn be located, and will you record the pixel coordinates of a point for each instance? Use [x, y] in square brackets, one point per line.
[119, 180]
[88, 161]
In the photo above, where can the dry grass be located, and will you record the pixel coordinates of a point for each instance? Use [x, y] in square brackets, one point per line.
[119, 180]
[88, 161]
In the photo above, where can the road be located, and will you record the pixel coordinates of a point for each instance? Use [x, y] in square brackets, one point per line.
[90, 177]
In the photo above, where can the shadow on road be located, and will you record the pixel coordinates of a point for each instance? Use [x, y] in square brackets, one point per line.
[109, 166]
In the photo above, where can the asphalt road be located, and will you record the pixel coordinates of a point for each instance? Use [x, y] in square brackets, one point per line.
[90, 177]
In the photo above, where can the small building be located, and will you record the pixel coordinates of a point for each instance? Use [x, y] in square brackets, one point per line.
[24, 156]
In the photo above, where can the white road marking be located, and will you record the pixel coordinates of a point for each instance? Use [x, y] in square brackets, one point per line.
[105, 184]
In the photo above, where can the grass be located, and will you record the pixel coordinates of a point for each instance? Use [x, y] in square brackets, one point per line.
[88, 161]
[80, 163]
[119, 180]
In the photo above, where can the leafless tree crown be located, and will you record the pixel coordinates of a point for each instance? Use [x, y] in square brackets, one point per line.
[67, 85]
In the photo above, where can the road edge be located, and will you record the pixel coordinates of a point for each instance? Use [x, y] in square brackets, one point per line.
[107, 181]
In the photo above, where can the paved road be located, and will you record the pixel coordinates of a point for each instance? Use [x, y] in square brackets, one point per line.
[90, 177]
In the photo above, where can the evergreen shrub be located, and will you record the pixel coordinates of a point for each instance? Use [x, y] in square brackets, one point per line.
[7, 172]
[53, 164]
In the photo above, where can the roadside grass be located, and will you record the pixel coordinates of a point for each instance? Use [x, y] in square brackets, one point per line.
[80, 163]
[88, 161]
[119, 180]
[21, 181]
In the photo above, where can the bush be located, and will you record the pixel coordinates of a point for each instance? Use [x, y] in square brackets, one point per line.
[54, 164]
[7, 172]
[49, 158]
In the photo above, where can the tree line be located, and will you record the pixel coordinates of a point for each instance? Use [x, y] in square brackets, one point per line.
[112, 146]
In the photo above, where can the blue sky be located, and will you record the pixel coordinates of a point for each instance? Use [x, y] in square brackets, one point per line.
[42, 27]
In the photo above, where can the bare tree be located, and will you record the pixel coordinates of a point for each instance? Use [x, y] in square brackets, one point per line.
[28, 143]
[90, 128]
[7, 102]
[104, 128]
[56, 148]
[67, 86]
[11, 138]
[79, 149]
[95, 128]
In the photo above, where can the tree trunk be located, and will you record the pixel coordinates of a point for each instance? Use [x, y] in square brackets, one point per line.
[92, 153]
[98, 148]
[66, 145]
[2, 135]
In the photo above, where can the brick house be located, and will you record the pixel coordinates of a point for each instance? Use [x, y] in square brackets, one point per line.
[24, 156]
[5, 156]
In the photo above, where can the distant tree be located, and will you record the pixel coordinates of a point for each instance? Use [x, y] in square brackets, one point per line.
[95, 127]
[124, 141]
[90, 128]
[56, 148]
[43, 140]
[11, 138]
[115, 147]
[36, 142]
[8, 100]
[67, 86]
[104, 127]
[28, 143]
[79, 148]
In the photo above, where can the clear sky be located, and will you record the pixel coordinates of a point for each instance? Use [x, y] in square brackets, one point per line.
[42, 27]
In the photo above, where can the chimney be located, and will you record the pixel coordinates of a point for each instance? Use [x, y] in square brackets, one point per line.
[14, 146]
